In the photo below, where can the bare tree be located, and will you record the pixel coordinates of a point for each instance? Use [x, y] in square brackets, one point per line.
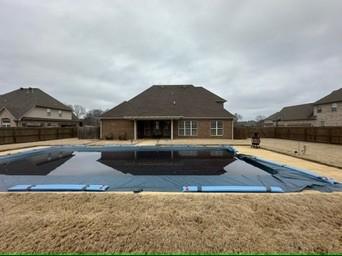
[78, 110]
[238, 116]
[259, 118]
[92, 117]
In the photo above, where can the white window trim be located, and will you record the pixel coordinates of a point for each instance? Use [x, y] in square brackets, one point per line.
[184, 129]
[216, 129]
[5, 124]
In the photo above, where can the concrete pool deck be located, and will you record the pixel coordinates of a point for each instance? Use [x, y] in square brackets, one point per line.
[324, 159]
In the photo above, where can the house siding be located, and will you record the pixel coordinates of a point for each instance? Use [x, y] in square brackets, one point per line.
[4, 113]
[327, 117]
[39, 112]
[116, 128]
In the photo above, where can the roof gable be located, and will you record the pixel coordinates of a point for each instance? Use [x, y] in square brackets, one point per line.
[335, 96]
[297, 112]
[172, 100]
[18, 102]
[292, 113]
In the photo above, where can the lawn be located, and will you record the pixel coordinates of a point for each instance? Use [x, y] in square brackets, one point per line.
[157, 222]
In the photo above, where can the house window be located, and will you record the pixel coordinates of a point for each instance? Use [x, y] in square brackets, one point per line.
[322, 123]
[334, 107]
[216, 128]
[60, 113]
[319, 110]
[5, 122]
[48, 111]
[187, 128]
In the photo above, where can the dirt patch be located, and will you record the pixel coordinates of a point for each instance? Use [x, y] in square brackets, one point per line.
[321, 169]
[329, 154]
[122, 222]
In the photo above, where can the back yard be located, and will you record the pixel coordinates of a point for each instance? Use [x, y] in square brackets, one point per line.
[175, 222]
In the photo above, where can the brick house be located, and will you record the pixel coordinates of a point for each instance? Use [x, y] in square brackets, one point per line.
[298, 115]
[327, 111]
[169, 111]
[31, 107]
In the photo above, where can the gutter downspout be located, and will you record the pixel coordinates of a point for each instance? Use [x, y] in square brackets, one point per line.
[101, 126]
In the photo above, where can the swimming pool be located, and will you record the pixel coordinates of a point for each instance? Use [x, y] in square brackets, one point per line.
[156, 168]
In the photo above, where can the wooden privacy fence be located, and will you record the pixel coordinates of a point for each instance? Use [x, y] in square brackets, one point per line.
[331, 135]
[88, 132]
[23, 134]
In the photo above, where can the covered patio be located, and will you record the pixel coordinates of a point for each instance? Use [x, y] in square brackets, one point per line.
[154, 127]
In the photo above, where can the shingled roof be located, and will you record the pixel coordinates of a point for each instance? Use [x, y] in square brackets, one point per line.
[171, 101]
[335, 96]
[274, 117]
[292, 113]
[18, 102]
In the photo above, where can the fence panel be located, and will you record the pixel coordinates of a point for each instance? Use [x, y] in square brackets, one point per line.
[22, 134]
[88, 132]
[331, 135]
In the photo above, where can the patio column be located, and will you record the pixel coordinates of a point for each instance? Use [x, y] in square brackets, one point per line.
[171, 129]
[135, 129]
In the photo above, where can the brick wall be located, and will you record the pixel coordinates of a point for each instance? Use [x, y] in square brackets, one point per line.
[327, 117]
[203, 130]
[297, 123]
[117, 128]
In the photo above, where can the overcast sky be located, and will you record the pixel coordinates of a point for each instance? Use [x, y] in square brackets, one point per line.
[259, 55]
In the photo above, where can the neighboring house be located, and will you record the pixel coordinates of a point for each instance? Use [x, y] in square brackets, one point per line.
[31, 107]
[298, 115]
[169, 111]
[325, 112]
[328, 110]
[250, 123]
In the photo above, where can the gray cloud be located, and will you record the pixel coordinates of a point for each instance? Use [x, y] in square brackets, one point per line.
[259, 55]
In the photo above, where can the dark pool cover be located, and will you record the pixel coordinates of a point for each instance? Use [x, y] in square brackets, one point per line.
[157, 168]
[292, 179]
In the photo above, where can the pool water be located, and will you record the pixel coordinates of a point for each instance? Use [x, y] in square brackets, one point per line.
[172, 162]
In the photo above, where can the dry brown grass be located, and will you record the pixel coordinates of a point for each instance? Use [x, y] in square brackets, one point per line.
[122, 222]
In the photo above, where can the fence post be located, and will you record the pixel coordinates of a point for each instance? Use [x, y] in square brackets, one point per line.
[14, 136]
[330, 134]
[306, 134]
